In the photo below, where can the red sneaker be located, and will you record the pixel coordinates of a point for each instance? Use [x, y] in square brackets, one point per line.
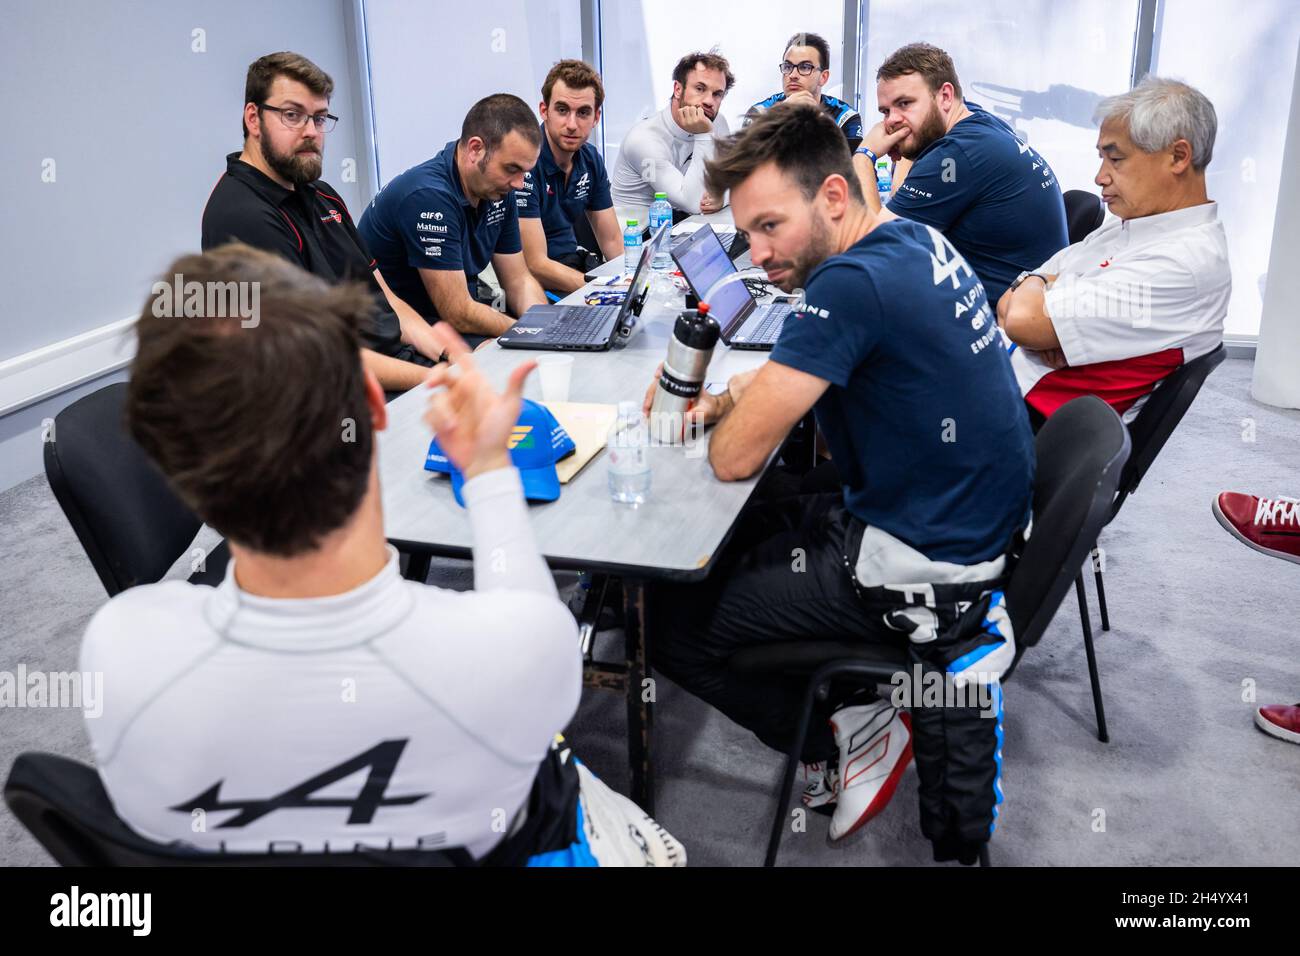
[1269, 525]
[1281, 721]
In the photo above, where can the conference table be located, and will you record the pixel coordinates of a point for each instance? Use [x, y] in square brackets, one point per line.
[675, 535]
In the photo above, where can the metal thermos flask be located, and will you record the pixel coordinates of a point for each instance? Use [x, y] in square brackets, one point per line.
[694, 335]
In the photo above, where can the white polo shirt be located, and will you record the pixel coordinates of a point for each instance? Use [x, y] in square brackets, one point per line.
[657, 155]
[1131, 302]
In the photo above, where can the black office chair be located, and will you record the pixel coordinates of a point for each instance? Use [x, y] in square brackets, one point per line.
[1155, 422]
[585, 235]
[1080, 451]
[1083, 213]
[63, 804]
[129, 521]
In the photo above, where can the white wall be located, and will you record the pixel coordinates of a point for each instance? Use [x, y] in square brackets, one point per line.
[1277, 364]
[117, 120]
[431, 60]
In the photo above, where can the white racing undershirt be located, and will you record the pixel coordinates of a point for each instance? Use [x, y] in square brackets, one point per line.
[219, 703]
[657, 155]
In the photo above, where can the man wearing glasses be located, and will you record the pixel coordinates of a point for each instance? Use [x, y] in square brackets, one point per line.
[272, 197]
[805, 69]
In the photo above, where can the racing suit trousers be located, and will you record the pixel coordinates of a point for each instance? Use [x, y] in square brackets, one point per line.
[784, 576]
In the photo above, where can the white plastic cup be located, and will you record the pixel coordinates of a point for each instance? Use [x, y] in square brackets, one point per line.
[555, 371]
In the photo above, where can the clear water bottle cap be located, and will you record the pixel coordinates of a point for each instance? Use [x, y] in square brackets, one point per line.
[661, 195]
[631, 222]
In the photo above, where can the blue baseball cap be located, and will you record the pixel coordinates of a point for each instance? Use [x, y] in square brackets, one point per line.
[537, 442]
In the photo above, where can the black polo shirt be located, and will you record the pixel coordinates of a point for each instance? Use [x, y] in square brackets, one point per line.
[310, 226]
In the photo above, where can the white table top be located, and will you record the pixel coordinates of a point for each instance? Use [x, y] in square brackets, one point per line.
[675, 533]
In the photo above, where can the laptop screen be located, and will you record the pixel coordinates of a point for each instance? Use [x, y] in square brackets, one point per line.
[703, 262]
[639, 287]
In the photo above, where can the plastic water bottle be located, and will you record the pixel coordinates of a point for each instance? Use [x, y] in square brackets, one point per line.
[629, 461]
[661, 214]
[631, 246]
[884, 178]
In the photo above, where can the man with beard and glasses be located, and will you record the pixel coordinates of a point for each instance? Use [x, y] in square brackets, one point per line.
[665, 153]
[900, 361]
[994, 197]
[805, 70]
[272, 197]
[435, 227]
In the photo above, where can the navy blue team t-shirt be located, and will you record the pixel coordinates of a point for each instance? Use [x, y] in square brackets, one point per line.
[993, 196]
[424, 220]
[558, 201]
[923, 416]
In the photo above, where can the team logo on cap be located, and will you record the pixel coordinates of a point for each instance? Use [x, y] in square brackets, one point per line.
[520, 437]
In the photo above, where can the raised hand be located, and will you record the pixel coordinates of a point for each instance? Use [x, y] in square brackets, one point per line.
[472, 420]
[884, 143]
[693, 119]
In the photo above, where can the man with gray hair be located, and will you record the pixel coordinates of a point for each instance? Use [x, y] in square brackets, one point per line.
[1115, 313]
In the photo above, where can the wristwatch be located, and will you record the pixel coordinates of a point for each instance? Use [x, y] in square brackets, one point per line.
[1015, 284]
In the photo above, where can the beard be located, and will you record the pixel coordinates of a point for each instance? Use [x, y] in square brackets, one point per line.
[931, 129]
[801, 266]
[297, 168]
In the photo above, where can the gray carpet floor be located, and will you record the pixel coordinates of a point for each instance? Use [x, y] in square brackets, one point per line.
[1199, 621]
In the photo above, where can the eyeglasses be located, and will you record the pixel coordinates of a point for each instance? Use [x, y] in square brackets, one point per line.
[297, 119]
[805, 68]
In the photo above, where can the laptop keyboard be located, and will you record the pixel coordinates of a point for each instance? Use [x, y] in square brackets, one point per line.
[581, 323]
[770, 327]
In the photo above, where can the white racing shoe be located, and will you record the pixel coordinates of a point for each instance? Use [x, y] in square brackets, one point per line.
[821, 784]
[875, 742]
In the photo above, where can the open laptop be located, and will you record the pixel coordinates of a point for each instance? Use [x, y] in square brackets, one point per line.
[732, 241]
[586, 328]
[745, 324]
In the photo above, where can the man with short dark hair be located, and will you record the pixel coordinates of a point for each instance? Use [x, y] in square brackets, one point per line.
[665, 153]
[994, 197]
[435, 227]
[315, 701]
[805, 69]
[272, 197]
[568, 187]
[895, 350]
